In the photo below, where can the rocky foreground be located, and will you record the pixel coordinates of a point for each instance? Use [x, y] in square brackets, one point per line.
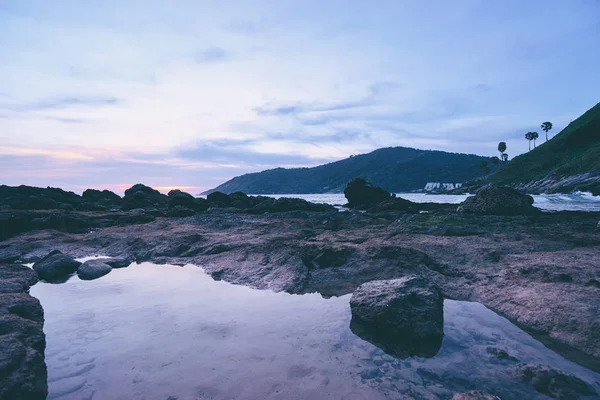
[540, 270]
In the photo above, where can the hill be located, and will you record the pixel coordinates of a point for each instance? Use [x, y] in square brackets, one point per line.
[568, 162]
[396, 169]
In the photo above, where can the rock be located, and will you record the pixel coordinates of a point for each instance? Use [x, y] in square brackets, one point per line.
[9, 255]
[474, 395]
[402, 316]
[117, 262]
[393, 204]
[93, 269]
[498, 200]
[22, 341]
[359, 193]
[180, 211]
[284, 204]
[500, 353]
[55, 266]
[97, 200]
[34, 198]
[218, 197]
[16, 278]
[553, 383]
[183, 199]
[135, 218]
[142, 196]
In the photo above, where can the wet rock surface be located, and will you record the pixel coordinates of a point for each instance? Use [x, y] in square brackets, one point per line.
[22, 341]
[404, 317]
[553, 383]
[474, 395]
[55, 266]
[498, 200]
[93, 269]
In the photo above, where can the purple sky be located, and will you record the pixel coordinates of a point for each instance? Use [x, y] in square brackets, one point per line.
[191, 93]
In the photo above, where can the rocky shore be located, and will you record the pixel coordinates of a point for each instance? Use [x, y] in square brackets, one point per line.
[540, 270]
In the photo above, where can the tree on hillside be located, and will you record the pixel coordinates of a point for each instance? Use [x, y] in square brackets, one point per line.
[502, 149]
[546, 126]
[504, 157]
[529, 136]
[495, 160]
[534, 136]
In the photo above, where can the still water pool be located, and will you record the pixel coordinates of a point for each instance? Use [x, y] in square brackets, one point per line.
[171, 332]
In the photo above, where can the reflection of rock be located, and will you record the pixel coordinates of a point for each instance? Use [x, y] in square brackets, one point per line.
[55, 266]
[474, 395]
[93, 269]
[403, 317]
[553, 383]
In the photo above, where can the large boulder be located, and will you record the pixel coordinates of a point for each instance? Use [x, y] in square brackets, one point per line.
[22, 340]
[498, 200]
[553, 383]
[118, 262]
[403, 317]
[142, 196]
[361, 193]
[99, 200]
[55, 266]
[93, 269]
[177, 198]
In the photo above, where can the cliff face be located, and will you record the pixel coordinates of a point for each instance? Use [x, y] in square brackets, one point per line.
[396, 169]
[23, 373]
[568, 162]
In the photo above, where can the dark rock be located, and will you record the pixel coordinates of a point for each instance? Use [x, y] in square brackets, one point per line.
[553, 383]
[9, 255]
[34, 198]
[474, 395]
[93, 269]
[285, 204]
[500, 354]
[393, 204]
[593, 283]
[218, 197]
[402, 316]
[22, 342]
[180, 211]
[100, 200]
[16, 278]
[359, 193]
[498, 200]
[142, 196]
[118, 262]
[136, 218]
[55, 266]
[183, 199]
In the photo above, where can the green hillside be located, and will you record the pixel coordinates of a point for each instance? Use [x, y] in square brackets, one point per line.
[575, 150]
[396, 169]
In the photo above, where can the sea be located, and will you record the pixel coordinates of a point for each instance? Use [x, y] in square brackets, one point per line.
[578, 201]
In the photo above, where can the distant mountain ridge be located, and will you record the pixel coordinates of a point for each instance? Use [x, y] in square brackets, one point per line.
[396, 169]
[569, 162]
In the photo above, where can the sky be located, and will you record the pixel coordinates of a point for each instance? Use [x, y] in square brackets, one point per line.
[189, 94]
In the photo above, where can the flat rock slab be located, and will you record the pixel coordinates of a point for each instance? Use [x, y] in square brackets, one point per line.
[93, 269]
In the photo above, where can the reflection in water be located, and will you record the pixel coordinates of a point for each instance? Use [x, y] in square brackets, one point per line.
[398, 347]
[152, 332]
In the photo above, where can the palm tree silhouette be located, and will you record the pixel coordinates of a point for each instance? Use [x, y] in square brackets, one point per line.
[546, 126]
